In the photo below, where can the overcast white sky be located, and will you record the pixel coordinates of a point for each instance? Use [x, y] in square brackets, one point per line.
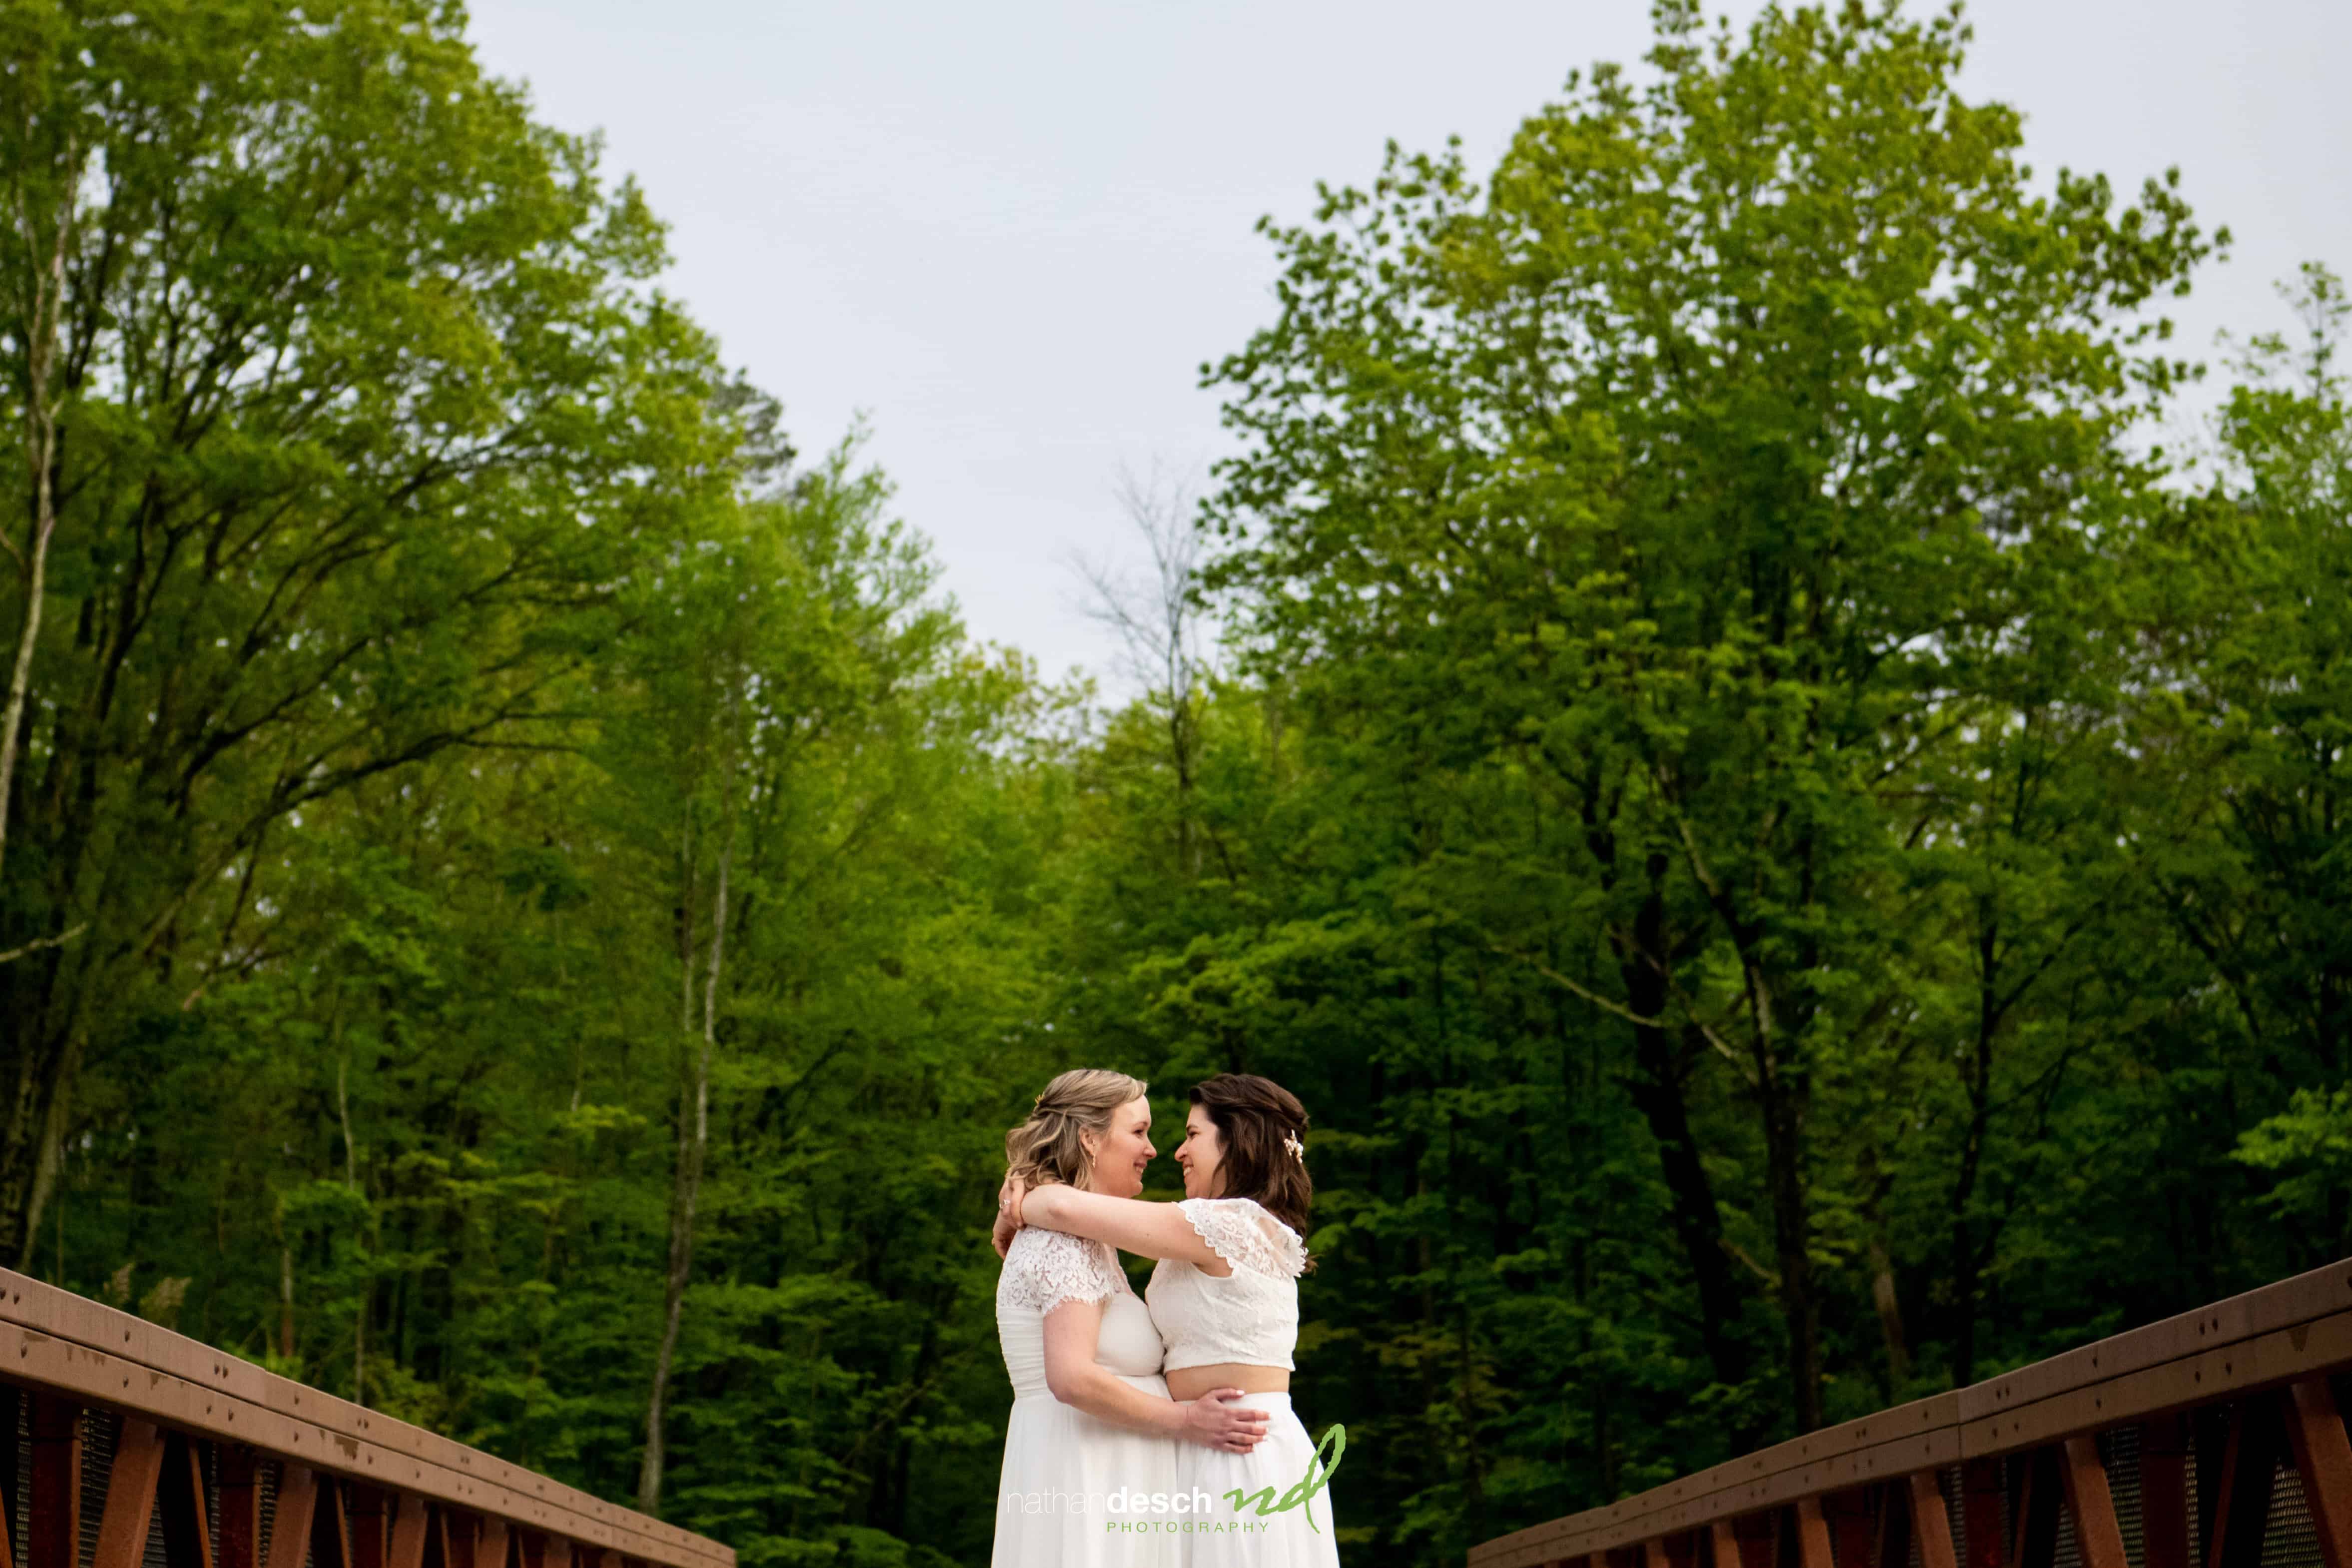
[1010, 233]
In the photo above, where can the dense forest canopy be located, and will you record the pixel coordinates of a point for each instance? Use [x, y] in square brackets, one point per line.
[1796, 855]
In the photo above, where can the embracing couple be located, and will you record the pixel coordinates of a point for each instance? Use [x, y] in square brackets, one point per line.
[1157, 1431]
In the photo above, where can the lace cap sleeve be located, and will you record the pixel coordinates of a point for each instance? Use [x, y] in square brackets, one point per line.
[1043, 1268]
[1246, 1235]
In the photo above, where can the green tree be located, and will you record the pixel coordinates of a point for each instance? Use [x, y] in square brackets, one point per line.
[1718, 434]
[2250, 725]
[345, 405]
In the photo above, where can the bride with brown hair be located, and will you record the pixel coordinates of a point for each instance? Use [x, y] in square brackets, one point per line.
[1225, 1300]
[1091, 1451]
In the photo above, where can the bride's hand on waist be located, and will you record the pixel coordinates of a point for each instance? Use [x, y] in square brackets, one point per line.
[1213, 1423]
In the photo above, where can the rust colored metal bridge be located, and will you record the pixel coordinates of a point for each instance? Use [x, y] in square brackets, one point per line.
[124, 1445]
[2215, 1439]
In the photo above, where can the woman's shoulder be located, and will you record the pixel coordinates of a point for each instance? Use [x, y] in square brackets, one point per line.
[1044, 1268]
[1247, 1235]
[1236, 1210]
[1035, 1246]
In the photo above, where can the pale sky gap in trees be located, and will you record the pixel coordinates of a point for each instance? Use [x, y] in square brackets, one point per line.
[1010, 233]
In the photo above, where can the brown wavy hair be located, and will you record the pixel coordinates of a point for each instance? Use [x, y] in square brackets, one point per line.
[1048, 1147]
[1253, 1116]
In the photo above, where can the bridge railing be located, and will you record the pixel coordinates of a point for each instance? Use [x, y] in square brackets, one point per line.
[2214, 1440]
[124, 1445]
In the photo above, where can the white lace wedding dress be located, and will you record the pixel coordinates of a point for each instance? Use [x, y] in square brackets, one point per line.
[1065, 1472]
[1251, 1317]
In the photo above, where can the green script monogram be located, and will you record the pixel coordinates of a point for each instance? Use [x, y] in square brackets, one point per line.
[1318, 1475]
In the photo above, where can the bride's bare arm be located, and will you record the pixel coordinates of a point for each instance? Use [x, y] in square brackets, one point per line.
[1145, 1229]
[1074, 1331]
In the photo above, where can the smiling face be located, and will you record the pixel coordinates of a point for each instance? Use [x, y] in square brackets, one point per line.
[1119, 1156]
[1203, 1155]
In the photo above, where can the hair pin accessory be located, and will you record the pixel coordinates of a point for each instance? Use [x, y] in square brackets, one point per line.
[1297, 1150]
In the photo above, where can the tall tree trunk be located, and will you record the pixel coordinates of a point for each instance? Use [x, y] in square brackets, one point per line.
[23, 1197]
[1801, 1309]
[1781, 1091]
[693, 1142]
[42, 402]
[367, 1284]
[1976, 1079]
[43, 1070]
[1781, 1097]
[1883, 1299]
[1656, 1088]
[285, 1299]
[1657, 1092]
[1889, 1307]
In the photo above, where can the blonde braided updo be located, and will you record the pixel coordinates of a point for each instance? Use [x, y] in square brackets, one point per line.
[1050, 1146]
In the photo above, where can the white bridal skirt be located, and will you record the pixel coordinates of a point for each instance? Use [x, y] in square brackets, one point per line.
[1067, 1495]
[1301, 1536]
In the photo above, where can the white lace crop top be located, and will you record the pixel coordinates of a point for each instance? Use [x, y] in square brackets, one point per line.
[1250, 1316]
[1043, 1268]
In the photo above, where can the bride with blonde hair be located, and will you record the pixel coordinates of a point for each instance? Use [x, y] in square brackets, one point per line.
[1224, 1302]
[1093, 1428]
